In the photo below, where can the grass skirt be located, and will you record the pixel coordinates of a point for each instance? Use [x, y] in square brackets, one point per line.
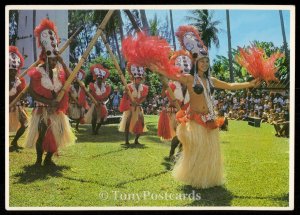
[74, 111]
[17, 115]
[136, 122]
[200, 164]
[101, 113]
[60, 127]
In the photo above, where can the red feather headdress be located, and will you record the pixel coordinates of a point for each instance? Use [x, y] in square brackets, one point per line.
[13, 64]
[254, 60]
[45, 24]
[149, 51]
[182, 59]
[97, 70]
[49, 41]
[197, 51]
[134, 74]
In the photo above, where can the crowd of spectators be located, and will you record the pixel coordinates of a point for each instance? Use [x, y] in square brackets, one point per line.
[270, 107]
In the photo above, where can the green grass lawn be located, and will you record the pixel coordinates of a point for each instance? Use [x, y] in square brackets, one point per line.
[99, 171]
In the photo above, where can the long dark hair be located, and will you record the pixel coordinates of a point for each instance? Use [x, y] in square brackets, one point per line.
[194, 70]
[206, 75]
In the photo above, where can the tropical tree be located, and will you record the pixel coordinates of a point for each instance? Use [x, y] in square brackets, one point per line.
[79, 18]
[144, 21]
[229, 46]
[172, 30]
[135, 21]
[204, 21]
[13, 26]
[283, 34]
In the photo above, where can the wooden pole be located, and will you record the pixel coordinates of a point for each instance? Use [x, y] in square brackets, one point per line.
[18, 97]
[63, 48]
[87, 92]
[85, 55]
[117, 66]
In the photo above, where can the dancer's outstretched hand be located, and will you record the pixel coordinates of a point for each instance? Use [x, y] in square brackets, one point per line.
[255, 83]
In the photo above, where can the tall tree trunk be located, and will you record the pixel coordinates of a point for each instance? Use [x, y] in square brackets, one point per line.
[117, 44]
[145, 22]
[229, 47]
[132, 19]
[172, 30]
[110, 41]
[283, 33]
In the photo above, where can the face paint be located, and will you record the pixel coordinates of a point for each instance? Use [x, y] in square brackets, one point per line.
[49, 42]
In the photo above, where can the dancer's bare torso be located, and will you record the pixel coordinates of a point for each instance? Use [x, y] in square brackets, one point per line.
[197, 101]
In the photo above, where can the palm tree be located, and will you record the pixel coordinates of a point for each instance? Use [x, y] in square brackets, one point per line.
[172, 30]
[144, 21]
[229, 46]
[153, 28]
[135, 22]
[203, 21]
[283, 32]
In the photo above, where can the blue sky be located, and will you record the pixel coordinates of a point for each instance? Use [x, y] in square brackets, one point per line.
[246, 26]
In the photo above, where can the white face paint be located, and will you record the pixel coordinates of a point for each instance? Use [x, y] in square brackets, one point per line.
[193, 45]
[14, 61]
[102, 73]
[49, 42]
[184, 62]
[99, 73]
[137, 72]
[79, 76]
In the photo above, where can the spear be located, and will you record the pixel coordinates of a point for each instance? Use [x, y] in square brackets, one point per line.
[85, 55]
[117, 67]
[87, 92]
[63, 48]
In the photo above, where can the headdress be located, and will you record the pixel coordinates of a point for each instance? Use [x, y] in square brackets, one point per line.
[135, 71]
[47, 39]
[16, 60]
[98, 71]
[182, 59]
[190, 40]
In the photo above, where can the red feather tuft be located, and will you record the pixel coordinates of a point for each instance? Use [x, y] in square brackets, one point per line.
[149, 51]
[16, 50]
[45, 24]
[49, 143]
[182, 30]
[255, 62]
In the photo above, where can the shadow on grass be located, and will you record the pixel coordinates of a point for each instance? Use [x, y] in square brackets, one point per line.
[224, 141]
[215, 196]
[134, 146]
[32, 173]
[107, 153]
[284, 197]
[122, 183]
[105, 134]
[167, 163]
[152, 129]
